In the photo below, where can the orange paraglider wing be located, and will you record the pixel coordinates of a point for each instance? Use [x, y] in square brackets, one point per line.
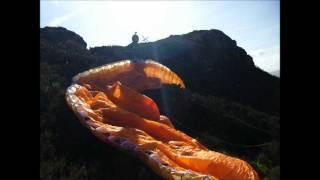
[138, 75]
[133, 101]
[106, 101]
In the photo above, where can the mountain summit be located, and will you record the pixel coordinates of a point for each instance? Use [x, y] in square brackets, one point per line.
[209, 61]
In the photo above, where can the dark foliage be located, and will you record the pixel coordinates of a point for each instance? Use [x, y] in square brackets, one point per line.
[232, 106]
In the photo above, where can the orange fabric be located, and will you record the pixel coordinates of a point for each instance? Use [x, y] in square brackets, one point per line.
[122, 117]
[133, 102]
[174, 148]
[136, 75]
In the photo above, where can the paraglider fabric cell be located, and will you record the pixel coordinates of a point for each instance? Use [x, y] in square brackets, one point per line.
[108, 101]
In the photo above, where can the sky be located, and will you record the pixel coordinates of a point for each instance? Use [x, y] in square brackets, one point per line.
[254, 24]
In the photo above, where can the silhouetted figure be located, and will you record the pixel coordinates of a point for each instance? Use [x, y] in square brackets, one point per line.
[135, 38]
[133, 46]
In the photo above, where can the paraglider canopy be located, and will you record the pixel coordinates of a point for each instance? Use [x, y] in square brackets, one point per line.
[108, 100]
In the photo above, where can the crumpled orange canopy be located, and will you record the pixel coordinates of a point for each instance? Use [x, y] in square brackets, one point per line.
[107, 101]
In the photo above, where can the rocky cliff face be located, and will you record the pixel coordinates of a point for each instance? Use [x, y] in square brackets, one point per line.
[62, 36]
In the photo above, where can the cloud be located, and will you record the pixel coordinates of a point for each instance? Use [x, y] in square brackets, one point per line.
[258, 27]
[61, 19]
[261, 53]
[264, 51]
[56, 3]
[257, 52]
[58, 20]
[267, 58]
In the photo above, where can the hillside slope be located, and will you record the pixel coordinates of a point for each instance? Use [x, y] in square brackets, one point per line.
[222, 89]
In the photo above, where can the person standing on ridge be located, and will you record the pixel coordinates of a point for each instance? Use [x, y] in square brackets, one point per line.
[133, 46]
[135, 38]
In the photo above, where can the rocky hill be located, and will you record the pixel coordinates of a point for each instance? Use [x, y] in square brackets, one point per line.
[233, 106]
